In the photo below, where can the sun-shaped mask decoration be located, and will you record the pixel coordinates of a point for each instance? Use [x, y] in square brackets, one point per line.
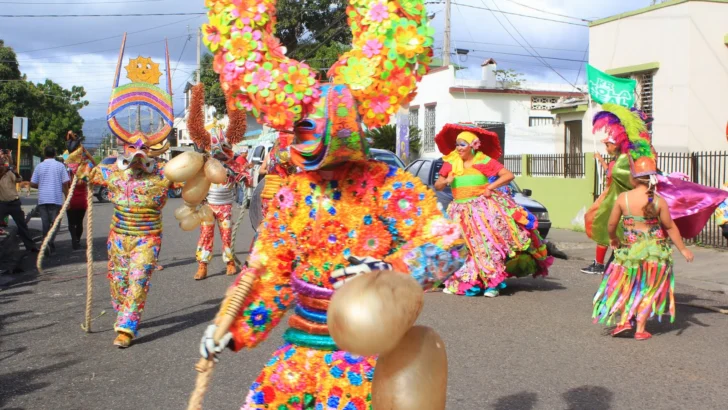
[143, 70]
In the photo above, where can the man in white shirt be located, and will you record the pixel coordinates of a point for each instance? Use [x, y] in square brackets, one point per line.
[51, 179]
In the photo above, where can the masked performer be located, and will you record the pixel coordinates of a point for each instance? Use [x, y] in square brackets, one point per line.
[218, 144]
[137, 188]
[502, 236]
[341, 209]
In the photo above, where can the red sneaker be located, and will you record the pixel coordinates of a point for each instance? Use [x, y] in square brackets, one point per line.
[642, 335]
[621, 329]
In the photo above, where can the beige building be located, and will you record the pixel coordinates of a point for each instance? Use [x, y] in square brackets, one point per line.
[678, 53]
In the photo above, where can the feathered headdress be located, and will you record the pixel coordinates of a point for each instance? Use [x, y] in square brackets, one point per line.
[627, 129]
[391, 51]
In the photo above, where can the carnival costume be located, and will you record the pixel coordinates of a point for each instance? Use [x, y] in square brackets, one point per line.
[211, 139]
[502, 236]
[640, 282]
[137, 188]
[341, 209]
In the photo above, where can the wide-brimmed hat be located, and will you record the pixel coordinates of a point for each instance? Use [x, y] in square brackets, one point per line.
[448, 135]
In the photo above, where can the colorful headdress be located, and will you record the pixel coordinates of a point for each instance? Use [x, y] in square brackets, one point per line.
[142, 91]
[211, 137]
[390, 53]
[627, 129]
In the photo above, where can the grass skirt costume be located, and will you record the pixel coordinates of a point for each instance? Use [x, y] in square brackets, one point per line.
[502, 236]
[640, 282]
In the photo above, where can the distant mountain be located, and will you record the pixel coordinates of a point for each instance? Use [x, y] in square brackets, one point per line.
[94, 129]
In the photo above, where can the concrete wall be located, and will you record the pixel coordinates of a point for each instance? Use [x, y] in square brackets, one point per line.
[689, 96]
[565, 198]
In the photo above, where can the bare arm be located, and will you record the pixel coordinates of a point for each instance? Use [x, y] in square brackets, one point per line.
[33, 185]
[614, 218]
[264, 166]
[672, 231]
[441, 182]
[601, 160]
[504, 178]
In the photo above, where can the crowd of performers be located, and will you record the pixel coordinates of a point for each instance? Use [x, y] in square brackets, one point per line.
[331, 214]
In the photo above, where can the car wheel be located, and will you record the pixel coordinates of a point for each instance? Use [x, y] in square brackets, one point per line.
[103, 195]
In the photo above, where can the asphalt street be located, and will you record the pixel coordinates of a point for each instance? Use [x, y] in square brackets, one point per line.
[535, 347]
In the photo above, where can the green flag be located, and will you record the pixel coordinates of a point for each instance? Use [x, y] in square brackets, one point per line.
[605, 88]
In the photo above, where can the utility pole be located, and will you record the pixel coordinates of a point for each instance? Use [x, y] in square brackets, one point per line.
[199, 57]
[446, 45]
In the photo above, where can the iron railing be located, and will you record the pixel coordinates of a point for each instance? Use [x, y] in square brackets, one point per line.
[556, 165]
[513, 164]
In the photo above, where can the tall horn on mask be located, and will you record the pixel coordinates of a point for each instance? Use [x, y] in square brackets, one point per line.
[391, 51]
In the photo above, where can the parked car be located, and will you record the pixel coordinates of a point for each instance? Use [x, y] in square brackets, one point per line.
[101, 192]
[427, 169]
[386, 156]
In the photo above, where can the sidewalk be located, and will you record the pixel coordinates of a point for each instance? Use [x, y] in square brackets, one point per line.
[708, 271]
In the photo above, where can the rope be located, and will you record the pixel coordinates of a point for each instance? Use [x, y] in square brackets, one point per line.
[89, 256]
[56, 224]
[238, 263]
[231, 308]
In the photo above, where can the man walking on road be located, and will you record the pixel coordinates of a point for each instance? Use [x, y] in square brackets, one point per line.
[9, 201]
[51, 179]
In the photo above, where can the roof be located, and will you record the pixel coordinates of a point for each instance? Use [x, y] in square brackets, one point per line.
[648, 9]
[488, 62]
[470, 90]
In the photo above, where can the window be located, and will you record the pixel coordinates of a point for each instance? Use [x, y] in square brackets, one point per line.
[644, 94]
[424, 172]
[412, 169]
[540, 103]
[414, 117]
[430, 128]
[539, 121]
[574, 159]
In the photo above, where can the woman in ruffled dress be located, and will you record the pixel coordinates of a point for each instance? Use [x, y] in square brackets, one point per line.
[501, 235]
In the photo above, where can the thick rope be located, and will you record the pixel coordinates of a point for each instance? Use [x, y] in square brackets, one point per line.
[89, 256]
[238, 263]
[56, 224]
[231, 308]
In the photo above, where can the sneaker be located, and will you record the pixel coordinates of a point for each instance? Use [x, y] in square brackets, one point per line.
[594, 269]
[491, 292]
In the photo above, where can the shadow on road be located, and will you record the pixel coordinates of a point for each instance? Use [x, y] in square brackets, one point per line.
[180, 322]
[531, 285]
[519, 401]
[24, 382]
[589, 398]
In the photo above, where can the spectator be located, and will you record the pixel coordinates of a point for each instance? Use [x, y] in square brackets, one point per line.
[10, 203]
[51, 180]
[76, 211]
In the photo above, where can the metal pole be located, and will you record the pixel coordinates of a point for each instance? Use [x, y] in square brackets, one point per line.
[17, 164]
[446, 45]
[199, 57]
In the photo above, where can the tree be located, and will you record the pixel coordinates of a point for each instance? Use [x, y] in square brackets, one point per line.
[509, 78]
[385, 137]
[51, 109]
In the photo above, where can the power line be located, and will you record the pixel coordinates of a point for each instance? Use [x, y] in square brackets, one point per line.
[548, 12]
[511, 13]
[180, 55]
[25, 3]
[100, 15]
[531, 55]
[517, 45]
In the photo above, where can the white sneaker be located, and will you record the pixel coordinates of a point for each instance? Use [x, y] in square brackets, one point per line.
[491, 293]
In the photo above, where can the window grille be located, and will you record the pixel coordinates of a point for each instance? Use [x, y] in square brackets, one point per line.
[430, 128]
[540, 103]
[539, 121]
[414, 117]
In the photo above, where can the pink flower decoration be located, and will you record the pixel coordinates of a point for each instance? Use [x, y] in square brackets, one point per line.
[372, 48]
[379, 12]
[380, 104]
[262, 78]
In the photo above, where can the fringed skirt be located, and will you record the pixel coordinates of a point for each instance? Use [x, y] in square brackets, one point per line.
[639, 283]
[502, 240]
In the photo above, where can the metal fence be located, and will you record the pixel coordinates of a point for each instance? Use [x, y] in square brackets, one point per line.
[513, 164]
[705, 168]
[556, 165]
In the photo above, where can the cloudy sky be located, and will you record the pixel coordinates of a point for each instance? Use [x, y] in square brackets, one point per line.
[83, 50]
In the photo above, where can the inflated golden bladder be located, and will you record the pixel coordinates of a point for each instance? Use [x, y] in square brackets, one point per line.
[182, 212]
[413, 376]
[184, 166]
[371, 313]
[190, 222]
[206, 214]
[215, 171]
[196, 188]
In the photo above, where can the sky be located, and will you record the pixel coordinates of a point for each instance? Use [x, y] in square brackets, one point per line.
[83, 50]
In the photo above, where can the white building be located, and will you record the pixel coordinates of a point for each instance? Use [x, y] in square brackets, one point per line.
[182, 142]
[521, 112]
[678, 53]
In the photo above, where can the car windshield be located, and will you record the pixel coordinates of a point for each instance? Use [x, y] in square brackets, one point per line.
[388, 158]
[438, 164]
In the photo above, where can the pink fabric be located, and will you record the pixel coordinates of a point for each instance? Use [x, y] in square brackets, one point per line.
[691, 205]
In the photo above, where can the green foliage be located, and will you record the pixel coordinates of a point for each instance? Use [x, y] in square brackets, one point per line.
[385, 137]
[51, 109]
[509, 78]
[213, 91]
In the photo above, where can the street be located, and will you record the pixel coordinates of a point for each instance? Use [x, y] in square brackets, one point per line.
[534, 347]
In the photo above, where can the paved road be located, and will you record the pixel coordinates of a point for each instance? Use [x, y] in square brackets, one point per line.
[534, 348]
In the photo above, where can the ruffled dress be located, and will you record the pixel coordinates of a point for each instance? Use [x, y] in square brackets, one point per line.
[502, 236]
[640, 282]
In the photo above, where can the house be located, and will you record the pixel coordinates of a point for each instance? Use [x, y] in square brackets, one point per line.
[180, 139]
[520, 112]
[678, 53]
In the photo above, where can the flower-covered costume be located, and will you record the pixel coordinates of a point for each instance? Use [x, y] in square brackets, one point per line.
[313, 225]
[220, 199]
[340, 205]
[640, 281]
[137, 189]
[502, 236]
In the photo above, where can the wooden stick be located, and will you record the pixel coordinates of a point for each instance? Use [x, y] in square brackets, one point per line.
[234, 304]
